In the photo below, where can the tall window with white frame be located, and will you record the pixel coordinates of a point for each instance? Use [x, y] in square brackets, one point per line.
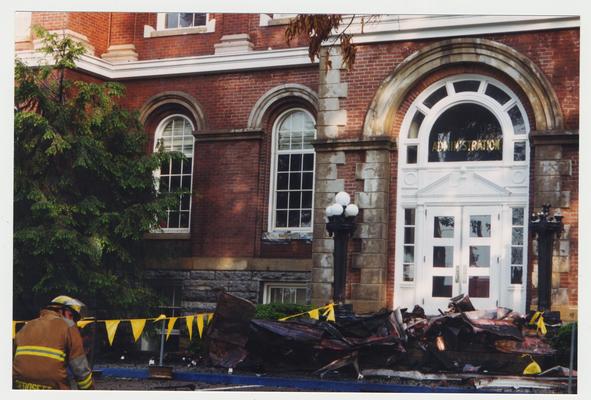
[175, 134]
[293, 171]
[184, 20]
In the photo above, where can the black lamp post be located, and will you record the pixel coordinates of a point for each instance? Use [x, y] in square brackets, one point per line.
[545, 227]
[341, 225]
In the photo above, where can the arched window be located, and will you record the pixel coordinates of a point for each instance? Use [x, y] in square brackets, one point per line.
[175, 133]
[292, 188]
[466, 118]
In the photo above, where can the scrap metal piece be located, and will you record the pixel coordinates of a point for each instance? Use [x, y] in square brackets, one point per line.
[350, 359]
[529, 345]
[227, 334]
[460, 303]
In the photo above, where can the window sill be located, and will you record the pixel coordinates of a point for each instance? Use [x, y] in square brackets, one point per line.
[286, 236]
[167, 236]
[150, 32]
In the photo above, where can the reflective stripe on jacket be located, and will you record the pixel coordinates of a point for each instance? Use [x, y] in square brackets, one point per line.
[44, 348]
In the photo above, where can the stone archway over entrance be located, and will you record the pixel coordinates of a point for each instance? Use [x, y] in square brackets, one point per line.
[526, 74]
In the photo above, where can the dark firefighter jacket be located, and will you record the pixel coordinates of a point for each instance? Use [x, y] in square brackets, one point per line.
[44, 348]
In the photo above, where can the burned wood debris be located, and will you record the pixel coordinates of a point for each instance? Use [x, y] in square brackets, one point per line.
[459, 340]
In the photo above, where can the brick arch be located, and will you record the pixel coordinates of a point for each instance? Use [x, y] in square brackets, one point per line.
[381, 116]
[277, 96]
[180, 101]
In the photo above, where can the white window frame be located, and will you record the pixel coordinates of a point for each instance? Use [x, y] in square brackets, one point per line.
[275, 19]
[161, 29]
[273, 176]
[157, 137]
[281, 285]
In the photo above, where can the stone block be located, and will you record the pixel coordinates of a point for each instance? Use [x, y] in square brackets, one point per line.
[561, 167]
[329, 185]
[542, 198]
[243, 286]
[232, 275]
[322, 260]
[322, 291]
[365, 261]
[560, 264]
[372, 170]
[323, 199]
[564, 200]
[365, 291]
[326, 171]
[337, 157]
[549, 152]
[338, 117]
[565, 232]
[559, 297]
[320, 231]
[568, 313]
[377, 156]
[329, 104]
[555, 280]
[376, 215]
[371, 200]
[547, 183]
[373, 275]
[327, 131]
[564, 247]
[333, 75]
[373, 246]
[323, 246]
[202, 275]
[364, 306]
[375, 185]
[333, 90]
[370, 231]
[322, 275]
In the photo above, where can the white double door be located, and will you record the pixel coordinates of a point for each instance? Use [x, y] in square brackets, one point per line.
[462, 254]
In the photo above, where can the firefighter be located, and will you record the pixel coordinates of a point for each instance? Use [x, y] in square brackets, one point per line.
[46, 346]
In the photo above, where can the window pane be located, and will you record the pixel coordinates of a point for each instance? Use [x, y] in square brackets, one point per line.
[283, 162]
[175, 183]
[409, 235]
[408, 272]
[307, 199]
[200, 19]
[306, 218]
[517, 236]
[442, 286]
[184, 220]
[296, 162]
[185, 20]
[308, 180]
[187, 164]
[186, 183]
[443, 227]
[466, 132]
[172, 20]
[294, 199]
[173, 219]
[307, 140]
[516, 255]
[411, 154]
[435, 97]
[295, 181]
[443, 256]
[478, 286]
[185, 201]
[517, 120]
[276, 295]
[519, 151]
[300, 296]
[415, 125]
[409, 254]
[165, 167]
[308, 162]
[516, 274]
[281, 201]
[409, 216]
[282, 180]
[281, 219]
[479, 225]
[497, 94]
[517, 216]
[164, 187]
[480, 256]
[294, 219]
[466, 86]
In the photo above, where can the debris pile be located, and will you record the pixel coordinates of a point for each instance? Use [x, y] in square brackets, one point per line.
[459, 340]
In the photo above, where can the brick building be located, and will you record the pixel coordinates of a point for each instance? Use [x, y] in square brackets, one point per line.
[448, 132]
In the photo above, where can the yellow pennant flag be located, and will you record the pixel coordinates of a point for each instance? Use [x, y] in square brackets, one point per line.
[82, 323]
[171, 323]
[209, 317]
[533, 368]
[189, 321]
[200, 324]
[160, 317]
[314, 314]
[541, 326]
[137, 326]
[111, 326]
[534, 317]
[329, 312]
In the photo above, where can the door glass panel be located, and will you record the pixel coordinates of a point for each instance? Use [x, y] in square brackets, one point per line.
[516, 255]
[443, 227]
[517, 236]
[516, 274]
[442, 286]
[480, 256]
[443, 256]
[479, 225]
[409, 254]
[478, 286]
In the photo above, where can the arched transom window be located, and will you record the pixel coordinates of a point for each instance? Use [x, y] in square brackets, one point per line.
[175, 134]
[292, 187]
[465, 119]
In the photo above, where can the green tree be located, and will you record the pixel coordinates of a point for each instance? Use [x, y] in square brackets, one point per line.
[84, 192]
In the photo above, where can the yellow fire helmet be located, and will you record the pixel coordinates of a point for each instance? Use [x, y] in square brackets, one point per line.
[69, 302]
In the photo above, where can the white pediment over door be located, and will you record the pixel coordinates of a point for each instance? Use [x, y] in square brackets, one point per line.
[465, 184]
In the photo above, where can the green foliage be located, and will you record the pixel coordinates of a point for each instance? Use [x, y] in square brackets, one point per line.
[274, 311]
[561, 341]
[84, 190]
